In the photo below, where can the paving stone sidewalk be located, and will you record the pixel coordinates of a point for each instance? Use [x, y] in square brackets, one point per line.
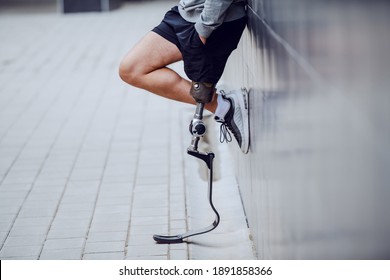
[91, 168]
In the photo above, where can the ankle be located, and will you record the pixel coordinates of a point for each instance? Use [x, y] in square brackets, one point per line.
[212, 106]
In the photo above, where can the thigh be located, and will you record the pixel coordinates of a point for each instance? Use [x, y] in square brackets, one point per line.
[151, 53]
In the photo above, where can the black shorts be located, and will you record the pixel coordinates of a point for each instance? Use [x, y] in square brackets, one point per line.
[202, 62]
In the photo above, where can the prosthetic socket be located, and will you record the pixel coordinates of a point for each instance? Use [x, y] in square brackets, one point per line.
[202, 92]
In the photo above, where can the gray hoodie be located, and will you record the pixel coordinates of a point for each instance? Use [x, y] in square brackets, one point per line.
[209, 14]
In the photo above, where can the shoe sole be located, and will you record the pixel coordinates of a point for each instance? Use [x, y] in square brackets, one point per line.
[245, 104]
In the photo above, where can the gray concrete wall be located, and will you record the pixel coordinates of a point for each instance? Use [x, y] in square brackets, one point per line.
[315, 184]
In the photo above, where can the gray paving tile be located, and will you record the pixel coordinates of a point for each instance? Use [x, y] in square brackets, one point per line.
[178, 224]
[9, 209]
[32, 221]
[178, 255]
[67, 233]
[87, 174]
[104, 256]
[107, 236]
[5, 225]
[178, 213]
[147, 257]
[122, 179]
[147, 180]
[141, 239]
[68, 214]
[3, 236]
[61, 254]
[148, 229]
[76, 206]
[111, 217]
[149, 221]
[78, 199]
[114, 200]
[51, 181]
[39, 210]
[16, 187]
[112, 209]
[104, 247]
[147, 251]
[31, 240]
[29, 230]
[150, 212]
[20, 251]
[63, 243]
[44, 196]
[35, 257]
[109, 226]
[159, 187]
[76, 222]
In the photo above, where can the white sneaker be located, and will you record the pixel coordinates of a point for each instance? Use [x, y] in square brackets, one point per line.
[233, 114]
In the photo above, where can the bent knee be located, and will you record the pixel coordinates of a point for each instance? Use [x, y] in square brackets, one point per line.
[127, 72]
[130, 71]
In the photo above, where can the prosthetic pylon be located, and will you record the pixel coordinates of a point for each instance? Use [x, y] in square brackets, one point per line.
[197, 129]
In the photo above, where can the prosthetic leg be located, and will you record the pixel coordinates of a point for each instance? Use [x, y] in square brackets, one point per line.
[202, 93]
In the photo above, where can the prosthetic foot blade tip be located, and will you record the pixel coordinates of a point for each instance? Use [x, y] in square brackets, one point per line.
[164, 239]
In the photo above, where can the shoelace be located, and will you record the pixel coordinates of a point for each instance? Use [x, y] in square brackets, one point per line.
[224, 133]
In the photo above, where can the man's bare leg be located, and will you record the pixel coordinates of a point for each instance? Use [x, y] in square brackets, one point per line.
[145, 67]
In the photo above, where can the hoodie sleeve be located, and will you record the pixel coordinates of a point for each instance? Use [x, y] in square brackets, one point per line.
[212, 16]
